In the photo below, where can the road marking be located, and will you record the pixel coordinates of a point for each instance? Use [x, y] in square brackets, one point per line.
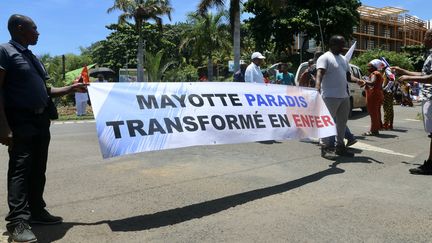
[364, 146]
[411, 120]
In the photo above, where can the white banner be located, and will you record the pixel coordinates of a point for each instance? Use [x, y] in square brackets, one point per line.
[139, 117]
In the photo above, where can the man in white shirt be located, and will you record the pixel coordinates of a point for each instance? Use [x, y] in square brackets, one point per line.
[253, 72]
[332, 76]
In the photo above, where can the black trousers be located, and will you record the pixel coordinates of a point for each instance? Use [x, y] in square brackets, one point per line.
[27, 163]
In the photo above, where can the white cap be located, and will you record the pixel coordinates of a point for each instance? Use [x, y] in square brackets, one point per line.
[257, 55]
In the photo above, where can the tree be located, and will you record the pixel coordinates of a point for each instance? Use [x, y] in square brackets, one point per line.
[416, 55]
[208, 34]
[141, 11]
[118, 50]
[395, 59]
[277, 21]
[234, 13]
[154, 66]
[181, 73]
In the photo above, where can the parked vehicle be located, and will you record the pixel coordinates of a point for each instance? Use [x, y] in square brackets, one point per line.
[357, 99]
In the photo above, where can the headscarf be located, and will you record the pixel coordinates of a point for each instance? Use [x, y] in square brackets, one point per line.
[378, 64]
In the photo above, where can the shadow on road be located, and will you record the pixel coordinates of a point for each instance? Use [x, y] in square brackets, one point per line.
[407, 163]
[399, 130]
[358, 114]
[356, 159]
[178, 215]
[269, 142]
[52, 233]
[194, 211]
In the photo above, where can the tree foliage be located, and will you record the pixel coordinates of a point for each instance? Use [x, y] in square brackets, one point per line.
[416, 55]
[394, 59]
[277, 21]
[155, 67]
[234, 19]
[207, 35]
[141, 11]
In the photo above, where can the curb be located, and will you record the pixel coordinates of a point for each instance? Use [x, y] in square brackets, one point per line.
[73, 122]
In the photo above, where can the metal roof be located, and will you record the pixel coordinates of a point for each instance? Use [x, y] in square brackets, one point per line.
[380, 12]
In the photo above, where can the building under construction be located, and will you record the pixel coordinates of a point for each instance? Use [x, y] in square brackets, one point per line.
[388, 28]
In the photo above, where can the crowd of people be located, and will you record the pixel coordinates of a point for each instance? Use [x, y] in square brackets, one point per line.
[26, 110]
[330, 74]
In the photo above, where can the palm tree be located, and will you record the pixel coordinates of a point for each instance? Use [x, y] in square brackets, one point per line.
[208, 33]
[153, 66]
[234, 13]
[141, 11]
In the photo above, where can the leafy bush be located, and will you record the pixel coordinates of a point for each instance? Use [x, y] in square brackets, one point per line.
[393, 58]
[184, 73]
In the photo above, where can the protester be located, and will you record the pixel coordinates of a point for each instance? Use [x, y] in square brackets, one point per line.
[308, 77]
[81, 99]
[101, 78]
[239, 76]
[203, 78]
[374, 95]
[253, 72]
[388, 90]
[284, 77]
[266, 76]
[415, 91]
[406, 98]
[425, 76]
[25, 112]
[332, 76]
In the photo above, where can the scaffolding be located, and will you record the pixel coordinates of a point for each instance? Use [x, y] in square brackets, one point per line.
[388, 28]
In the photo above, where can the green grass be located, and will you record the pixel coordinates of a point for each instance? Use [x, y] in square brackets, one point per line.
[68, 113]
[73, 117]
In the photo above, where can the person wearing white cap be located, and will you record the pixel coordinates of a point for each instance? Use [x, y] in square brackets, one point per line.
[253, 72]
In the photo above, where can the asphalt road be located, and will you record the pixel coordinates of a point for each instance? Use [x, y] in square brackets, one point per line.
[254, 192]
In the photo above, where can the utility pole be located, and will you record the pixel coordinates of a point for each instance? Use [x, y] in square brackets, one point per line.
[64, 66]
[321, 32]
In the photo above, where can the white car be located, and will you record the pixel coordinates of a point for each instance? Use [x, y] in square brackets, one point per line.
[357, 100]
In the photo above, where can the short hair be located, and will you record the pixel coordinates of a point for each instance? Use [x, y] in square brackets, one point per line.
[15, 20]
[336, 40]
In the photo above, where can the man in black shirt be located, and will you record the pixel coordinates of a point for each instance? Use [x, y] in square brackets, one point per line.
[24, 127]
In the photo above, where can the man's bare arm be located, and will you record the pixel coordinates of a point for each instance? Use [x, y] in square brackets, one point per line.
[320, 74]
[401, 71]
[56, 92]
[426, 79]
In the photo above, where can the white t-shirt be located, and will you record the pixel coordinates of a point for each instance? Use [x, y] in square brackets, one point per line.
[253, 74]
[334, 83]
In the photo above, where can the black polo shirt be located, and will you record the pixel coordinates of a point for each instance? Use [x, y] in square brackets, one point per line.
[24, 86]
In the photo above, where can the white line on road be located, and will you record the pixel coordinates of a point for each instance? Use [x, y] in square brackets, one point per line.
[364, 146]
